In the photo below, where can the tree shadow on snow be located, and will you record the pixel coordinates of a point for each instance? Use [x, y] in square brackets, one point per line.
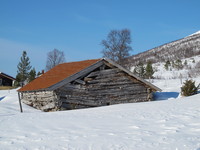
[2, 98]
[165, 95]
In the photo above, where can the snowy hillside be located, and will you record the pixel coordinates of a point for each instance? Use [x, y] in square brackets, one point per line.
[171, 123]
[190, 70]
[183, 48]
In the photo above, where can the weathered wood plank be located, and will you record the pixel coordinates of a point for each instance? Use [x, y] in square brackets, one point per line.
[91, 102]
[103, 92]
[80, 81]
[109, 79]
[121, 87]
[103, 85]
[104, 72]
[80, 102]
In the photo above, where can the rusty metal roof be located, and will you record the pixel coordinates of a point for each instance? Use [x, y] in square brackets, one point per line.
[57, 74]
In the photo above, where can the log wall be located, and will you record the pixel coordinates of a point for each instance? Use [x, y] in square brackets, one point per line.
[103, 87]
[99, 88]
[43, 100]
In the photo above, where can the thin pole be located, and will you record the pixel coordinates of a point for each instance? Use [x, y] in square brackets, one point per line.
[20, 104]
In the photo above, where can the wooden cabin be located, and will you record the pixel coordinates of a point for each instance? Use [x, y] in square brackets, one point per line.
[6, 80]
[84, 84]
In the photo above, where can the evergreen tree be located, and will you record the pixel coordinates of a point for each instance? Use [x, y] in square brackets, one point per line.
[139, 70]
[189, 88]
[18, 80]
[39, 73]
[32, 75]
[23, 68]
[178, 64]
[185, 63]
[167, 64]
[149, 70]
[193, 61]
[173, 64]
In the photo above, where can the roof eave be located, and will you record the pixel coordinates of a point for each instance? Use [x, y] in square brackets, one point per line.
[7, 76]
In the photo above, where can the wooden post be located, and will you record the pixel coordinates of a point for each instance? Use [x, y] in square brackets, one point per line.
[20, 104]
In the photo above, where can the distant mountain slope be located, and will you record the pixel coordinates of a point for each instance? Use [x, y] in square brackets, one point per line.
[179, 49]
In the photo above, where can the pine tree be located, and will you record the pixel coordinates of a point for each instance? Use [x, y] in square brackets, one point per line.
[18, 80]
[139, 70]
[185, 63]
[189, 88]
[193, 61]
[32, 75]
[167, 64]
[149, 70]
[178, 64]
[23, 68]
[173, 64]
[39, 73]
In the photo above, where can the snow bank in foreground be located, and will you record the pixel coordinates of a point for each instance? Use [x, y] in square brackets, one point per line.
[170, 124]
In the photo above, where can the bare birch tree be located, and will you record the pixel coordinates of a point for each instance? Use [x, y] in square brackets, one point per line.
[117, 46]
[54, 58]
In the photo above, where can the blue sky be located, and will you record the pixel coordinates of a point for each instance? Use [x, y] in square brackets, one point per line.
[77, 27]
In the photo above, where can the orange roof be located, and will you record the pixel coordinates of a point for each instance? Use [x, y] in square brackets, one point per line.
[57, 74]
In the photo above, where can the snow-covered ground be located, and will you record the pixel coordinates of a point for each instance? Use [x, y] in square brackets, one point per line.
[170, 124]
[188, 71]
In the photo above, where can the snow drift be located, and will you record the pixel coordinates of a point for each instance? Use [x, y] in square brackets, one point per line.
[167, 124]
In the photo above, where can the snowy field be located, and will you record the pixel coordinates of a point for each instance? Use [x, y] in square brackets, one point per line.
[170, 123]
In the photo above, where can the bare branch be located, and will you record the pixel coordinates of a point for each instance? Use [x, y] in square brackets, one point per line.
[117, 46]
[54, 58]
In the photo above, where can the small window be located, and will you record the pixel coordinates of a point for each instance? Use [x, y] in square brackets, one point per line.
[0, 82]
